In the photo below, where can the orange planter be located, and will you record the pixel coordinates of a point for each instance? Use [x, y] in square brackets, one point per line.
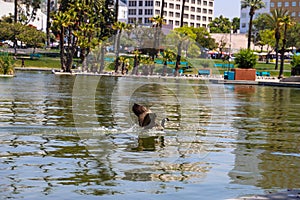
[245, 74]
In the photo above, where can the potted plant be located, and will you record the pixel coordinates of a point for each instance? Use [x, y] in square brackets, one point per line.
[245, 60]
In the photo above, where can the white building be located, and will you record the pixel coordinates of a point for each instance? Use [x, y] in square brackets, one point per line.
[123, 11]
[40, 21]
[197, 13]
[244, 18]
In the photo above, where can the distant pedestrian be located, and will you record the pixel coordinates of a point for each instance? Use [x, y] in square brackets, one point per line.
[23, 62]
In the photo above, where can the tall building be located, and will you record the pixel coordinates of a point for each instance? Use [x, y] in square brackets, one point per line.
[293, 6]
[197, 13]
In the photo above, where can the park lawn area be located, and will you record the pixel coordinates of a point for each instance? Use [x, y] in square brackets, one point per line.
[43, 62]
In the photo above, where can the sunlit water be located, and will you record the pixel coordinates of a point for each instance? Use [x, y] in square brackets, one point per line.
[65, 137]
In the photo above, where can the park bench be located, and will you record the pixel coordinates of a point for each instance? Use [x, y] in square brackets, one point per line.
[35, 55]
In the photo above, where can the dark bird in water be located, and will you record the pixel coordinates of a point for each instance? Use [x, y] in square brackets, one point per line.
[147, 118]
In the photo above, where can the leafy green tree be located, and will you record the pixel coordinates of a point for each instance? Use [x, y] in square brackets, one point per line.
[235, 24]
[253, 5]
[32, 37]
[78, 23]
[293, 39]
[203, 38]
[274, 20]
[181, 35]
[220, 25]
[245, 59]
[266, 38]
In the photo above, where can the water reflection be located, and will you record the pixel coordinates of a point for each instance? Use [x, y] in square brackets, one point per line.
[70, 137]
[267, 131]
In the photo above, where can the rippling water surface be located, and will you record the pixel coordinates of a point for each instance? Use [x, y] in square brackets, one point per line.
[65, 137]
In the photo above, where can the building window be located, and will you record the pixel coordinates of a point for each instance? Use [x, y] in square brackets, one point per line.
[148, 3]
[205, 3]
[132, 12]
[177, 7]
[140, 20]
[204, 10]
[243, 25]
[140, 3]
[198, 10]
[165, 13]
[210, 11]
[286, 4]
[157, 3]
[199, 2]
[171, 22]
[204, 18]
[272, 5]
[193, 9]
[177, 15]
[185, 24]
[147, 21]
[157, 12]
[210, 19]
[192, 24]
[131, 20]
[279, 4]
[192, 16]
[299, 14]
[294, 3]
[211, 4]
[198, 17]
[193, 1]
[186, 1]
[171, 5]
[185, 16]
[140, 11]
[177, 23]
[165, 5]
[186, 8]
[198, 25]
[148, 12]
[132, 3]
[204, 25]
[171, 14]
[293, 14]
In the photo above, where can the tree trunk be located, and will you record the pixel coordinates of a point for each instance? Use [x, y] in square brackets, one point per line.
[48, 24]
[117, 52]
[178, 57]
[282, 53]
[250, 30]
[61, 42]
[164, 69]
[277, 37]
[102, 58]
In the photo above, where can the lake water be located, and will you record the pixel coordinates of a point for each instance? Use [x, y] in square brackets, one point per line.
[67, 137]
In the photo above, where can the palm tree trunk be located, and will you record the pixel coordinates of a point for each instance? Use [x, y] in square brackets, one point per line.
[48, 24]
[282, 53]
[117, 52]
[102, 58]
[61, 44]
[178, 57]
[250, 31]
[277, 37]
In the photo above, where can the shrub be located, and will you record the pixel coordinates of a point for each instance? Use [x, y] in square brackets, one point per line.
[6, 65]
[245, 59]
[295, 61]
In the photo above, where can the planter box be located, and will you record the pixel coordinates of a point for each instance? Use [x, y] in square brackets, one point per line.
[244, 74]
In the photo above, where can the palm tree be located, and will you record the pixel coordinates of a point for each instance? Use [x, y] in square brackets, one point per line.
[286, 22]
[178, 57]
[136, 61]
[253, 5]
[119, 27]
[157, 21]
[168, 55]
[274, 20]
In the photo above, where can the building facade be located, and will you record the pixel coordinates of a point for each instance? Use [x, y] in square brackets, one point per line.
[293, 6]
[197, 13]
